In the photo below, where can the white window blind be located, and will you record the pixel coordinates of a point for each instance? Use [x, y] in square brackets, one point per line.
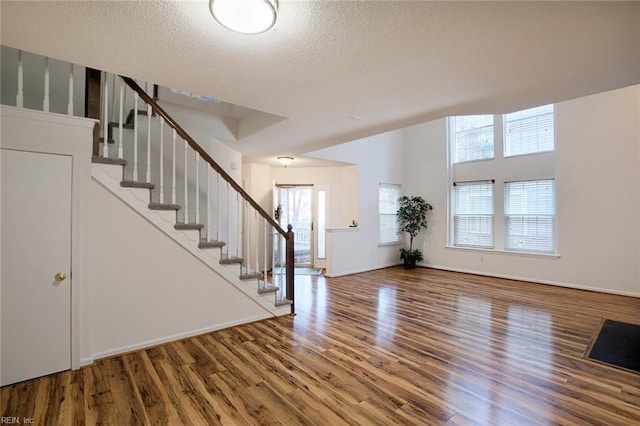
[473, 214]
[530, 216]
[529, 131]
[473, 138]
[388, 195]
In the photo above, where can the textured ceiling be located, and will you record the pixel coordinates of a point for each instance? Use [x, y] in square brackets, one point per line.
[392, 63]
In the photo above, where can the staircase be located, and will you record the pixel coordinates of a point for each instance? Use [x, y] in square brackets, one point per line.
[156, 155]
[144, 157]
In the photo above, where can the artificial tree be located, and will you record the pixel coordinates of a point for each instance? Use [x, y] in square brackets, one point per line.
[412, 218]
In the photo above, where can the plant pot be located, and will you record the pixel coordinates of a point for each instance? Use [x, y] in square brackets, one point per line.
[409, 263]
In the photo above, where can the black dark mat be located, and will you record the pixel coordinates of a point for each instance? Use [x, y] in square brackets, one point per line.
[618, 344]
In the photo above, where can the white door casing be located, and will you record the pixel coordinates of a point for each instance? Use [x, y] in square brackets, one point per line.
[36, 245]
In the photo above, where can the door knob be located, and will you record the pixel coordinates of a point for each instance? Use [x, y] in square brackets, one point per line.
[61, 276]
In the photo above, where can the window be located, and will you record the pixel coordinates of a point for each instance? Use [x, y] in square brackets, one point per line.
[388, 195]
[473, 138]
[529, 131]
[473, 214]
[529, 211]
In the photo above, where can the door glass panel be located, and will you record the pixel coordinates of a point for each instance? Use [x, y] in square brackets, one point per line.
[296, 211]
[322, 223]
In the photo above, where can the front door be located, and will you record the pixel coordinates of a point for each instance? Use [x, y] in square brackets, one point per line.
[297, 210]
[36, 265]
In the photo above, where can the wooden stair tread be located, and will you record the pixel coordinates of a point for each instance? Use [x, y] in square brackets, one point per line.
[211, 244]
[269, 289]
[231, 260]
[284, 302]
[250, 275]
[164, 206]
[136, 184]
[104, 160]
[188, 226]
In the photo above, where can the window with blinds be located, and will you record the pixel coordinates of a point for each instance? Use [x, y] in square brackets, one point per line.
[473, 214]
[529, 213]
[529, 131]
[473, 138]
[388, 195]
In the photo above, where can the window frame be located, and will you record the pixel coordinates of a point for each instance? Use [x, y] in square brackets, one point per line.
[455, 215]
[453, 139]
[535, 217]
[398, 239]
[505, 143]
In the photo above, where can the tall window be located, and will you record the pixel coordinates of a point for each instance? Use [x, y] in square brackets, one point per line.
[529, 131]
[473, 214]
[473, 138]
[529, 212]
[388, 195]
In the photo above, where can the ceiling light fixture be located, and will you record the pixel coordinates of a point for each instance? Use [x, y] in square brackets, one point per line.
[285, 161]
[245, 16]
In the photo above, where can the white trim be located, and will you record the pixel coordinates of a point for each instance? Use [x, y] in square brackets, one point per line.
[507, 252]
[348, 229]
[23, 130]
[358, 271]
[531, 280]
[173, 337]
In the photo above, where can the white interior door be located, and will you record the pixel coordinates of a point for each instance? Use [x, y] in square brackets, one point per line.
[36, 257]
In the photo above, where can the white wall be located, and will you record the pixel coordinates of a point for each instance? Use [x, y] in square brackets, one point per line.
[146, 289]
[597, 163]
[380, 160]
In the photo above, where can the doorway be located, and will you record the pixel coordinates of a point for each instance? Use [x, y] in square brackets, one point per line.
[296, 204]
[36, 265]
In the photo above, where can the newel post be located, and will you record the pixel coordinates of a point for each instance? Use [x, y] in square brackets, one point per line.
[290, 268]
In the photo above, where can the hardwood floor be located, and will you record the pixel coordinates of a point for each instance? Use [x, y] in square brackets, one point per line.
[383, 347]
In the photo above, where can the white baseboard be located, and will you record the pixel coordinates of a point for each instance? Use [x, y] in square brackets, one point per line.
[167, 339]
[358, 271]
[532, 280]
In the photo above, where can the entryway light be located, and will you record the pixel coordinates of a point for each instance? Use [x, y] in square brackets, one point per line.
[245, 16]
[285, 161]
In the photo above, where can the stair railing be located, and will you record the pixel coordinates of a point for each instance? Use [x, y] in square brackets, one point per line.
[230, 214]
[210, 199]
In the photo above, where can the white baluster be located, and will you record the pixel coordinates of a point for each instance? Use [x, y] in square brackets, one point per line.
[161, 160]
[45, 102]
[148, 179]
[266, 253]
[135, 136]
[208, 204]
[228, 219]
[173, 169]
[105, 124]
[113, 97]
[246, 235]
[238, 225]
[186, 182]
[218, 209]
[197, 156]
[20, 95]
[273, 259]
[120, 120]
[257, 266]
[70, 104]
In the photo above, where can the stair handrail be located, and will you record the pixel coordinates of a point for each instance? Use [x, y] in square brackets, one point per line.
[193, 144]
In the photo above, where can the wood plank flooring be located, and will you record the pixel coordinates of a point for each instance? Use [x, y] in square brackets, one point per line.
[379, 348]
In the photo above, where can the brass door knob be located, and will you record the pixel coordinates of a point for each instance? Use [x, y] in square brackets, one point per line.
[61, 276]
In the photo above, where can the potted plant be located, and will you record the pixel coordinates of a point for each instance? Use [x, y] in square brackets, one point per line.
[412, 218]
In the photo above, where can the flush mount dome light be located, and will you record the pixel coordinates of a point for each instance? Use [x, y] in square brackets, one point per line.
[245, 16]
[285, 161]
